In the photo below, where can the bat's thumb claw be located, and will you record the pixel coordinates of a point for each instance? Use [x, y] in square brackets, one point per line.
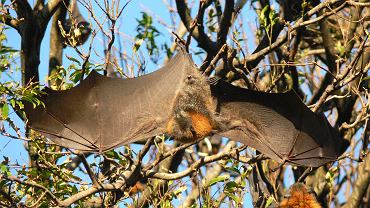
[213, 80]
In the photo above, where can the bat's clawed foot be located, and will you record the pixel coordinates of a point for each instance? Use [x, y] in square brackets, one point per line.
[213, 80]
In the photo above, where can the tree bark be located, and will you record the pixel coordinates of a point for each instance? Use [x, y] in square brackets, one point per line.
[32, 35]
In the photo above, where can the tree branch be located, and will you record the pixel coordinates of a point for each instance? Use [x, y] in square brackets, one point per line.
[362, 183]
[48, 11]
[195, 166]
[225, 23]
[340, 77]
[129, 177]
[203, 40]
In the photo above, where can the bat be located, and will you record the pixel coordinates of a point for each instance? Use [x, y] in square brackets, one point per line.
[103, 113]
[279, 125]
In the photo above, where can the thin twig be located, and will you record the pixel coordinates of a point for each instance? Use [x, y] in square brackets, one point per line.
[35, 185]
[214, 61]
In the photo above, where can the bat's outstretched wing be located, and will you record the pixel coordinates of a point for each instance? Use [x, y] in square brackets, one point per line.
[277, 124]
[102, 113]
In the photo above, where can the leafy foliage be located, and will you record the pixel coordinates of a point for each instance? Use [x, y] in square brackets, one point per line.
[147, 34]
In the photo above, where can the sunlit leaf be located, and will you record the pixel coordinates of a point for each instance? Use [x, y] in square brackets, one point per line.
[5, 111]
[219, 179]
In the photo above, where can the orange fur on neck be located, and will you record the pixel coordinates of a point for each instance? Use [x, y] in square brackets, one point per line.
[201, 124]
[170, 124]
[300, 198]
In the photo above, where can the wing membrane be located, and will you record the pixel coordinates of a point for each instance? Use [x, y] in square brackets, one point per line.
[102, 113]
[277, 124]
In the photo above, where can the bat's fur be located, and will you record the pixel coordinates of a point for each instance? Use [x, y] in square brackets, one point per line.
[300, 197]
[193, 110]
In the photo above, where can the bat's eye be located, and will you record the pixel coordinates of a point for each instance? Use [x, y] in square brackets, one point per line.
[189, 79]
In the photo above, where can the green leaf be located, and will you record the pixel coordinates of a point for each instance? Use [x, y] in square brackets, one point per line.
[340, 48]
[218, 179]
[138, 44]
[76, 76]
[233, 197]
[74, 60]
[263, 12]
[3, 167]
[233, 169]
[269, 201]
[5, 111]
[366, 78]
[179, 191]
[12, 102]
[20, 104]
[112, 154]
[365, 83]
[231, 185]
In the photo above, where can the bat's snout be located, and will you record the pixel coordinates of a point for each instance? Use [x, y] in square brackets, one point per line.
[189, 130]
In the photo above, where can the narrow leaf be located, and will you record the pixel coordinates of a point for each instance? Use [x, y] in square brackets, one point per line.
[5, 111]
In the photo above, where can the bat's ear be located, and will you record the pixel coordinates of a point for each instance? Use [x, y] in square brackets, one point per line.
[182, 46]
